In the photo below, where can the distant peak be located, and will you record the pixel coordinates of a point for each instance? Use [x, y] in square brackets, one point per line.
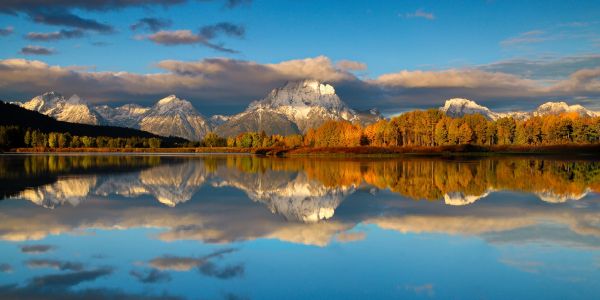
[51, 94]
[168, 99]
[460, 102]
[314, 85]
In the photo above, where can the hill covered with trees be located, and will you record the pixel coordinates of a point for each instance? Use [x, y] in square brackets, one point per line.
[20, 127]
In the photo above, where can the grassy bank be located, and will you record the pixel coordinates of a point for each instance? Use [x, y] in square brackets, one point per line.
[135, 150]
[348, 151]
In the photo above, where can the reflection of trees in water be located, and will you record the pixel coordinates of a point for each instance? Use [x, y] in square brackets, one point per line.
[434, 179]
[300, 182]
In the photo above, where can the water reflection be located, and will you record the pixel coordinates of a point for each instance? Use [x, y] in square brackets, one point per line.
[231, 203]
[305, 190]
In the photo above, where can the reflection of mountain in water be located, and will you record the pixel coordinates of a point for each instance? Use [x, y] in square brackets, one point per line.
[65, 190]
[169, 184]
[294, 196]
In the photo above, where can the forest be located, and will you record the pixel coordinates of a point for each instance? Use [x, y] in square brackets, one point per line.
[431, 128]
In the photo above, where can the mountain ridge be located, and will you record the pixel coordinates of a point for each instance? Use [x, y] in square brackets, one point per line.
[290, 109]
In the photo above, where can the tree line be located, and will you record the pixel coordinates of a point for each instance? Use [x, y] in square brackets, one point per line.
[14, 136]
[430, 128]
[423, 128]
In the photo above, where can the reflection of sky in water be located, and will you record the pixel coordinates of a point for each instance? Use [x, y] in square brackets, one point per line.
[186, 230]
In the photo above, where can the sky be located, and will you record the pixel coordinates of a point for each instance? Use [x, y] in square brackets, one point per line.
[223, 54]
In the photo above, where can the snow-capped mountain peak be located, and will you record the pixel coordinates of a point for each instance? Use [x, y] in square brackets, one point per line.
[74, 109]
[457, 107]
[302, 94]
[555, 108]
[176, 117]
[292, 108]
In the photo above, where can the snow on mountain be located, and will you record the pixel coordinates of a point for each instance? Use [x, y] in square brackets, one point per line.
[170, 116]
[73, 110]
[128, 115]
[555, 108]
[458, 107]
[305, 104]
[296, 197]
[175, 117]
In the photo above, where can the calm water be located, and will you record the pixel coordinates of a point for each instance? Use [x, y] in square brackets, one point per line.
[241, 227]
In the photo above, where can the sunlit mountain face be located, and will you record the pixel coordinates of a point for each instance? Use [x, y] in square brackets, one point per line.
[147, 226]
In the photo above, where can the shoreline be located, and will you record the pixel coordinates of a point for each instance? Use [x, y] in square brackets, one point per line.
[361, 151]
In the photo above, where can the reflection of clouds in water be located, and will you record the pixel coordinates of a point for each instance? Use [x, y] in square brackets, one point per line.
[523, 265]
[55, 264]
[426, 289]
[13, 291]
[70, 279]
[36, 249]
[204, 264]
[5, 268]
[150, 276]
[346, 237]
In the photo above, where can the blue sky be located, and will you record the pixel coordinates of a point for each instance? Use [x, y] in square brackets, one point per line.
[383, 37]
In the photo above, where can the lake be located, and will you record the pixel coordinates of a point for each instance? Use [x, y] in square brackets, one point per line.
[247, 227]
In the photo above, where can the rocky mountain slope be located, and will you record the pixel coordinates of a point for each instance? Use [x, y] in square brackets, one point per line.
[293, 108]
[170, 116]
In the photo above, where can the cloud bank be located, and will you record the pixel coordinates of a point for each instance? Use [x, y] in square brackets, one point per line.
[221, 85]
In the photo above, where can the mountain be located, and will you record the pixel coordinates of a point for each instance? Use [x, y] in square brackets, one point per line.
[555, 108]
[172, 116]
[11, 114]
[73, 110]
[128, 115]
[293, 108]
[458, 107]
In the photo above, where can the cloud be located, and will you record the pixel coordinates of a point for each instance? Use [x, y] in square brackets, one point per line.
[349, 65]
[65, 18]
[176, 37]
[182, 37]
[36, 50]
[6, 268]
[546, 68]
[69, 279]
[15, 6]
[150, 276]
[229, 29]
[56, 35]
[221, 85]
[205, 37]
[6, 31]
[55, 264]
[36, 249]
[420, 13]
[529, 37]
[151, 24]
[453, 78]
